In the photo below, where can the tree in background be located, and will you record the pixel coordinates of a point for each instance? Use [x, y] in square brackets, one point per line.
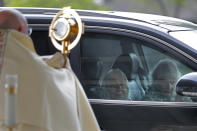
[77, 4]
[1, 3]
[178, 4]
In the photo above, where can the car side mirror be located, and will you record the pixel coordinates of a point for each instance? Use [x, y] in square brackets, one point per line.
[187, 85]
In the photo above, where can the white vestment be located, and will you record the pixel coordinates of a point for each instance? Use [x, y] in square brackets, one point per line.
[48, 99]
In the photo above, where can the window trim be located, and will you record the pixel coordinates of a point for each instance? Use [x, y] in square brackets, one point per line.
[150, 39]
[144, 103]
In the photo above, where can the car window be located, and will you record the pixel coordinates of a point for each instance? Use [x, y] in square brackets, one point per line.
[117, 67]
[153, 55]
[164, 71]
[98, 54]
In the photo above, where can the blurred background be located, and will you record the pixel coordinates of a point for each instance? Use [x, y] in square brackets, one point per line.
[184, 9]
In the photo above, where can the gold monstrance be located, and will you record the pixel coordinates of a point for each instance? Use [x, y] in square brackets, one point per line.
[65, 26]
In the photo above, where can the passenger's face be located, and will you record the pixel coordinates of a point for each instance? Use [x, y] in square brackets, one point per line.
[118, 92]
[166, 87]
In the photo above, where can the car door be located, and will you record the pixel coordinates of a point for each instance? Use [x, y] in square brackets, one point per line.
[139, 110]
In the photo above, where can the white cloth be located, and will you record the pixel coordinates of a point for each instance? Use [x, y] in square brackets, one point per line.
[48, 99]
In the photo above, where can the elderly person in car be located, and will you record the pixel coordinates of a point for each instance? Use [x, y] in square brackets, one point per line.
[164, 77]
[115, 85]
[129, 65]
[49, 99]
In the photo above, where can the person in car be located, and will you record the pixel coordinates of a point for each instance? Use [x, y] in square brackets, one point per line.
[164, 77]
[129, 65]
[115, 85]
[49, 99]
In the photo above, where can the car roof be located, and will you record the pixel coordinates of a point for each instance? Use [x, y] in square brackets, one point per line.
[168, 23]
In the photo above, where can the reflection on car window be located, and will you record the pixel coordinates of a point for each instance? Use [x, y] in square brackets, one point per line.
[120, 68]
[164, 73]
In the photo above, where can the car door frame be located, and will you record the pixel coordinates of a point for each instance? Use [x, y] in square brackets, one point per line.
[115, 114]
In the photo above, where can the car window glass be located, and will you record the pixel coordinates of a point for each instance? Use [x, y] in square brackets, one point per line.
[164, 71]
[121, 68]
[153, 55]
[98, 53]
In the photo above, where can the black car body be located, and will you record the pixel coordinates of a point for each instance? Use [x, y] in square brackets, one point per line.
[110, 34]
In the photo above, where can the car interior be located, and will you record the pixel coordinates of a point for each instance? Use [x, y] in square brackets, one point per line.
[98, 54]
[102, 50]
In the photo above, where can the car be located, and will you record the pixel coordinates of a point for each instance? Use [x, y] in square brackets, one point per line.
[128, 64]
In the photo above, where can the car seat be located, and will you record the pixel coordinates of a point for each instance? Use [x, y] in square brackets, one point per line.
[136, 84]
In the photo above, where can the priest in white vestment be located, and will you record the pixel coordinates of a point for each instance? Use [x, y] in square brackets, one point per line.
[49, 99]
